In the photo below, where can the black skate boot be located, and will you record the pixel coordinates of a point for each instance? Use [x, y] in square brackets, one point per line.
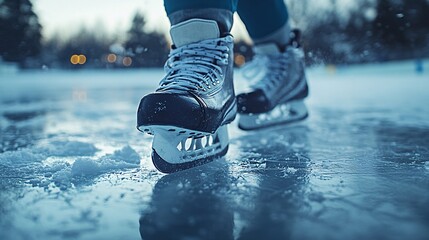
[277, 98]
[189, 112]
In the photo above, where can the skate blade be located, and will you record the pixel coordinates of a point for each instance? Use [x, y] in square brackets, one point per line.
[175, 149]
[282, 114]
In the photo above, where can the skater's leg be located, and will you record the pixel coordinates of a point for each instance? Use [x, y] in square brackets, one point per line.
[265, 20]
[177, 5]
[277, 98]
[194, 102]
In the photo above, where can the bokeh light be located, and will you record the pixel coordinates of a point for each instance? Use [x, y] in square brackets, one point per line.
[82, 59]
[127, 61]
[239, 59]
[74, 59]
[78, 59]
[111, 58]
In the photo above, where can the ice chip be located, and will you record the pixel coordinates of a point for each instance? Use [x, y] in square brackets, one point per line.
[126, 154]
[20, 156]
[85, 167]
[62, 177]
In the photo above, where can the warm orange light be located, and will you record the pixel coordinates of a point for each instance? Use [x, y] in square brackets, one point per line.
[78, 59]
[239, 60]
[82, 59]
[111, 58]
[74, 59]
[127, 61]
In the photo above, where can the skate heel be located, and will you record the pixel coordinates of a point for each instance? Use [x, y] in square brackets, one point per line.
[282, 114]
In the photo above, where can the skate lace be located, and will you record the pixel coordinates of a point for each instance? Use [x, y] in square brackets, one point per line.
[276, 71]
[196, 66]
[255, 68]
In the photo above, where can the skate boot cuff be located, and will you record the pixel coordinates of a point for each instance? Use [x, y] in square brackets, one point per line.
[223, 17]
[272, 48]
[194, 30]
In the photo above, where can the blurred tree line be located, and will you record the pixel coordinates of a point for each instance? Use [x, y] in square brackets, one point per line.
[370, 30]
[139, 48]
[20, 32]
[21, 43]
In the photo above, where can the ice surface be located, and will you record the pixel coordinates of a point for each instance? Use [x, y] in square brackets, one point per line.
[73, 166]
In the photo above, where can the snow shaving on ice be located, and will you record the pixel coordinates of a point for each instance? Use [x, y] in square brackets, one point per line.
[20, 157]
[120, 159]
[61, 172]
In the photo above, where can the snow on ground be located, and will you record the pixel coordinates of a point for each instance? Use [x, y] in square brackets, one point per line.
[73, 166]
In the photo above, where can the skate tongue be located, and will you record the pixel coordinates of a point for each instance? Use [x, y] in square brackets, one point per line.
[267, 49]
[194, 30]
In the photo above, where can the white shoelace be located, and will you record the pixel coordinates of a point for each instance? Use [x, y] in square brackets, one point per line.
[275, 69]
[196, 66]
[255, 68]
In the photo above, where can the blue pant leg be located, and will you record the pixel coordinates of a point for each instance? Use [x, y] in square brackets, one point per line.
[262, 17]
[177, 5]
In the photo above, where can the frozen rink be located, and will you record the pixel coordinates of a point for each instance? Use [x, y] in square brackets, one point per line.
[73, 165]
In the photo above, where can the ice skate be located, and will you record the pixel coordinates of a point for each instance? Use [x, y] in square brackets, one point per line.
[277, 98]
[189, 112]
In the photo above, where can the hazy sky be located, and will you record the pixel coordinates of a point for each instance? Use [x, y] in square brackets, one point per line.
[66, 16]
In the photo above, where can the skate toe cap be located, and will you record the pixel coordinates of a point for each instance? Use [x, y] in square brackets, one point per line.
[170, 109]
[253, 102]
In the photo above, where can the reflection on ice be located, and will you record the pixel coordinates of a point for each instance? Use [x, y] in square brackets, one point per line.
[191, 205]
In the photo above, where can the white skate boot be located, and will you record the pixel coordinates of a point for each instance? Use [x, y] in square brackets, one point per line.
[277, 98]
